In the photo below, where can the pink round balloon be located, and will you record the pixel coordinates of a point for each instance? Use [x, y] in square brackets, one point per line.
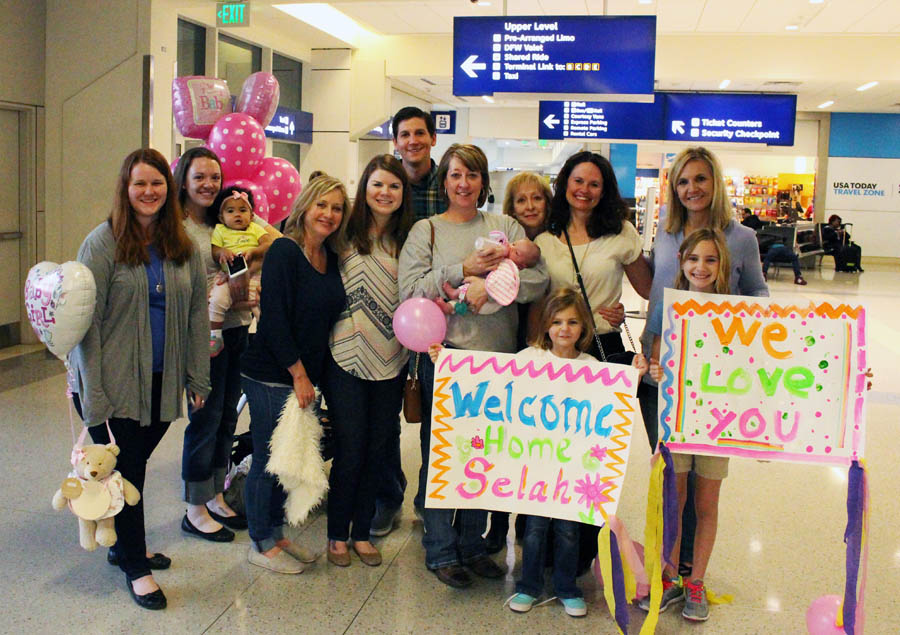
[198, 103]
[174, 164]
[260, 200]
[240, 143]
[419, 323]
[822, 614]
[281, 181]
[259, 97]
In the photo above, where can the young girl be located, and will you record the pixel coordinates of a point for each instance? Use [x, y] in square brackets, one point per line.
[705, 268]
[562, 334]
[235, 235]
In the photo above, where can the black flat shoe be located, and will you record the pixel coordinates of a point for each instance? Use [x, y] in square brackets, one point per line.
[157, 560]
[154, 601]
[223, 535]
[232, 522]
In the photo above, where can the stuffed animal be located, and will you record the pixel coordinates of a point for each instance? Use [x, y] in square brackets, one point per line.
[95, 492]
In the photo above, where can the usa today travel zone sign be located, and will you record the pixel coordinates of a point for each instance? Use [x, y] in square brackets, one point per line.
[558, 54]
[541, 436]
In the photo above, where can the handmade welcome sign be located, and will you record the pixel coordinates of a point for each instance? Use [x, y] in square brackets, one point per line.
[763, 378]
[545, 436]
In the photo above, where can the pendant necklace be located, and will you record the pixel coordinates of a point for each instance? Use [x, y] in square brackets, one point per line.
[159, 277]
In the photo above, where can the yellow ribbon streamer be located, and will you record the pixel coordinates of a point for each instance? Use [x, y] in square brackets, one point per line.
[653, 538]
[605, 560]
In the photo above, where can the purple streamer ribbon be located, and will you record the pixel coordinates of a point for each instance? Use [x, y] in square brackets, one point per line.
[618, 582]
[853, 539]
[670, 505]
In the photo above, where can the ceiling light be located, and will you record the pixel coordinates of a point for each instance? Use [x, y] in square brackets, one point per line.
[327, 19]
[791, 27]
[816, 1]
[645, 1]
[724, 84]
[825, 104]
[867, 86]
[488, 99]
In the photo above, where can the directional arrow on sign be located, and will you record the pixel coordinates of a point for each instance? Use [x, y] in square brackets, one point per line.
[551, 121]
[678, 127]
[470, 66]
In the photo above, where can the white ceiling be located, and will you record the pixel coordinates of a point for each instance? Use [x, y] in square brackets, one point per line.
[746, 19]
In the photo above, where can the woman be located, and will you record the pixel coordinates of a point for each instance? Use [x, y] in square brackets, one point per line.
[210, 431]
[697, 199]
[587, 217]
[526, 199]
[441, 249]
[302, 296]
[147, 341]
[363, 382]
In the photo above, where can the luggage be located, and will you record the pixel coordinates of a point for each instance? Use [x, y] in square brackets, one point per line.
[848, 258]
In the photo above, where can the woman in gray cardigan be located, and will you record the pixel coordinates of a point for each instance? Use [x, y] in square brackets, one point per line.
[147, 341]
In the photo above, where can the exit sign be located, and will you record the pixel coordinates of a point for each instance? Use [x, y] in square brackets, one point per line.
[232, 14]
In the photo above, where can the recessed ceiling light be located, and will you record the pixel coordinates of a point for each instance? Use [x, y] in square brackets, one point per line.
[724, 84]
[645, 1]
[825, 104]
[791, 27]
[488, 99]
[867, 86]
[816, 1]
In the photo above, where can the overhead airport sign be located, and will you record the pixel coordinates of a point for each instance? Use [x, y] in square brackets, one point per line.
[561, 54]
[734, 118]
[290, 124]
[695, 117]
[444, 121]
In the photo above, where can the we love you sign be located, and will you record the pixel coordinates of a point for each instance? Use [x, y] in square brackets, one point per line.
[545, 436]
[766, 378]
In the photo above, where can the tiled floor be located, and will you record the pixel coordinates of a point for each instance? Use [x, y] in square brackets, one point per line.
[779, 546]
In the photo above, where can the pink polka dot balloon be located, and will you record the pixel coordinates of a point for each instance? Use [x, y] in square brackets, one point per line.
[281, 181]
[240, 143]
[260, 200]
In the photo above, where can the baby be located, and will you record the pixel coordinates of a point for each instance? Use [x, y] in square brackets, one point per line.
[502, 284]
[235, 235]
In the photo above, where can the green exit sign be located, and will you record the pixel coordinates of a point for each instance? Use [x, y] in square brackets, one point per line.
[232, 14]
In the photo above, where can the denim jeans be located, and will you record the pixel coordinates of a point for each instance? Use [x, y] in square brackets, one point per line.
[136, 444]
[392, 482]
[263, 495]
[363, 414]
[565, 557]
[444, 544]
[210, 432]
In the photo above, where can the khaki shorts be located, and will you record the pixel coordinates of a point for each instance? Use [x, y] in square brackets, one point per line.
[711, 467]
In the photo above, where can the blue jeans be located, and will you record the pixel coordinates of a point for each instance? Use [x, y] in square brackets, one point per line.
[565, 557]
[444, 544]
[209, 435]
[363, 414]
[263, 495]
[782, 253]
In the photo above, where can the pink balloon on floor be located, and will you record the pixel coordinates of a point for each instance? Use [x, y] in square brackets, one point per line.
[260, 200]
[822, 614]
[240, 143]
[198, 103]
[259, 97]
[281, 181]
[419, 323]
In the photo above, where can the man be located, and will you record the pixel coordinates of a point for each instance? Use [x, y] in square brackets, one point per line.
[751, 220]
[414, 136]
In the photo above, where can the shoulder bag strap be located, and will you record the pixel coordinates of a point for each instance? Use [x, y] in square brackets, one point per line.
[584, 294]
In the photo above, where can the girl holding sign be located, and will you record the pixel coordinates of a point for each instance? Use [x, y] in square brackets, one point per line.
[705, 268]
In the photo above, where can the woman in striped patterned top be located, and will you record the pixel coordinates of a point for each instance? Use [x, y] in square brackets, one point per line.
[363, 382]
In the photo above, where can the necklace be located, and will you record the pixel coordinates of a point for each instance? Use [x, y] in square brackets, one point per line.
[158, 276]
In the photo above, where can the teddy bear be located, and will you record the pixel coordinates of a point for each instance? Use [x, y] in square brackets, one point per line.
[95, 492]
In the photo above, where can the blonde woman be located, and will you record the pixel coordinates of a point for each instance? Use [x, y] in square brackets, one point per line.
[302, 296]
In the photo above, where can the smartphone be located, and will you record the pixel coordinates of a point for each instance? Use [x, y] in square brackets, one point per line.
[237, 266]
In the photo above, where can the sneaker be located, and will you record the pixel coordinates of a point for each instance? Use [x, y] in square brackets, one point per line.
[521, 602]
[383, 521]
[575, 607]
[696, 607]
[280, 563]
[216, 343]
[799, 280]
[672, 593]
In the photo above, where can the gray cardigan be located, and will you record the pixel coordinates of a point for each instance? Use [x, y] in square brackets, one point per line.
[113, 364]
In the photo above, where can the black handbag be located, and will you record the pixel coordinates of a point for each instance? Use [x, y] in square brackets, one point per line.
[412, 396]
[613, 358]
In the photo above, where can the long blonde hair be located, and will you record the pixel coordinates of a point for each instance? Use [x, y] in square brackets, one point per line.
[717, 238]
[315, 189]
[719, 209]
